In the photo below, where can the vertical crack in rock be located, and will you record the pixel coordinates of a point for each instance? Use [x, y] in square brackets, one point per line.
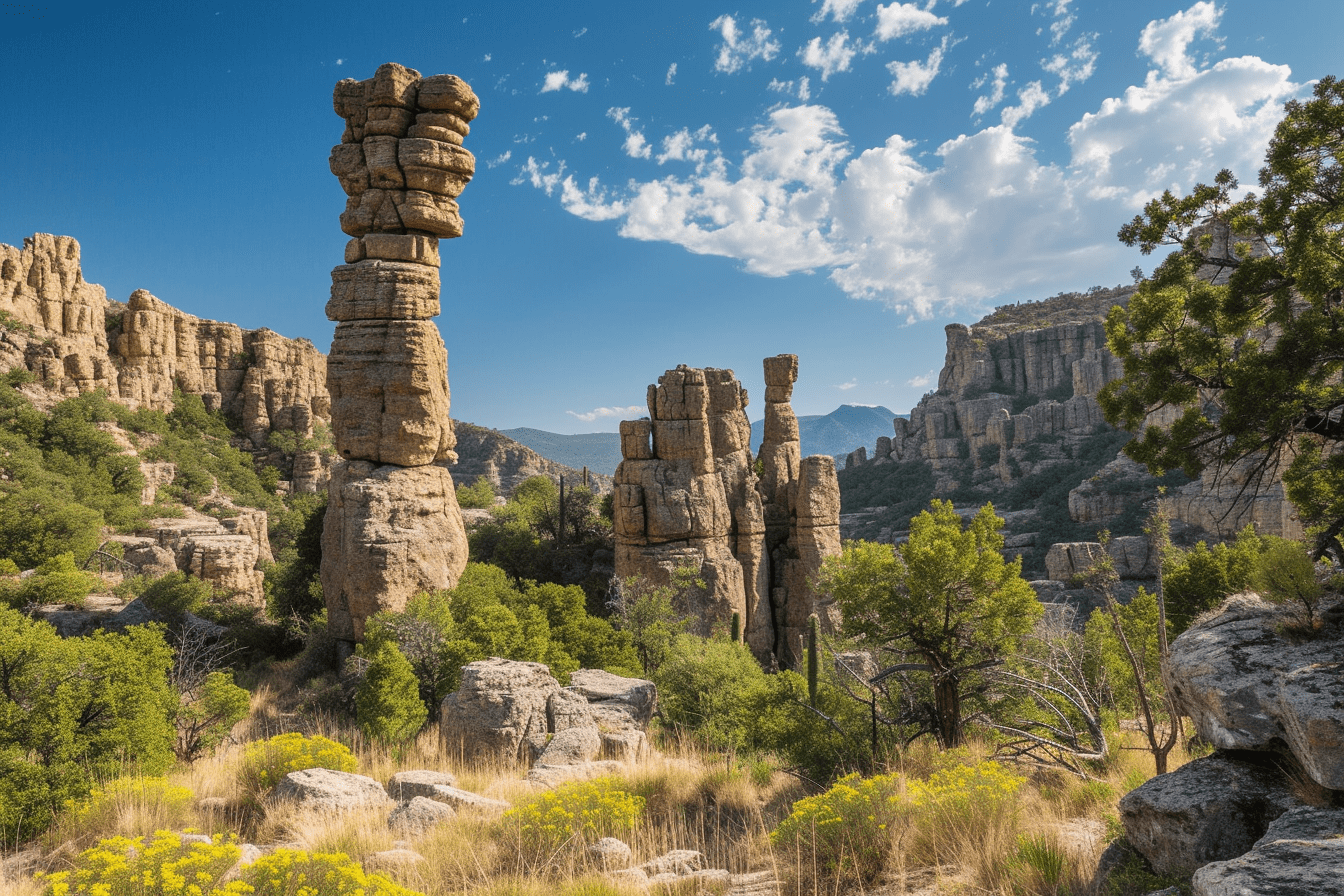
[393, 527]
[688, 493]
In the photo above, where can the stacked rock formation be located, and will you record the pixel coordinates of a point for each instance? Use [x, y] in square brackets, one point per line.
[687, 495]
[393, 526]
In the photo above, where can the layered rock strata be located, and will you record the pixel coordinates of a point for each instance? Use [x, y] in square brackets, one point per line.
[76, 340]
[393, 527]
[688, 494]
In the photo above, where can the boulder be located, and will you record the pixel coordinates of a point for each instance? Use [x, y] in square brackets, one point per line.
[419, 815]
[392, 861]
[326, 790]
[572, 746]
[465, 799]
[544, 775]
[1207, 810]
[498, 705]
[1301, 853]
[1246, 686]
[609, 854]
[679, 862]
[408, 785]
[635, 697]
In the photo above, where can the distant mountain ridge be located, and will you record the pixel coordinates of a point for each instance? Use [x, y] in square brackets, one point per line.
[837, 433]
[847, 427]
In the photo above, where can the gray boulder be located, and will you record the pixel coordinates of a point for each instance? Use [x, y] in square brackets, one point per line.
[610, 854]
[465, 799]
[635, 697]
[499, 704]
[1247, 687]
[419, 815]
[572, 746]
[1301, 854]
[405, 786]
[325, 790]
[1207, 810]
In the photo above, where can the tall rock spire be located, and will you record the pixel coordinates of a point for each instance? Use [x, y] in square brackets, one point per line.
[393, 527]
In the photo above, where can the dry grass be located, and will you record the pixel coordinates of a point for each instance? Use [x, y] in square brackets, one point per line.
[716, 804]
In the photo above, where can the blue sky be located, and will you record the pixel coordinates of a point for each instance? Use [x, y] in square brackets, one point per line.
[704, 183]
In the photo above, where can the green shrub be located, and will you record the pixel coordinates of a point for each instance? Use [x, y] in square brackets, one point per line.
[962, 809]
[1286, 574]
[176, 594]
[843, 835]
[569, 818]
[387, 703]
[1198, 580]
[480, 494]
[207, 714]
[266, 762]
[705, 688]
[56, 581]
[75, 710]
[169, 805]
[287, 872]
[1039, 866]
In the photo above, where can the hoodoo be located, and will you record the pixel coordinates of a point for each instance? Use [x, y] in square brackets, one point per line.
[393, 527]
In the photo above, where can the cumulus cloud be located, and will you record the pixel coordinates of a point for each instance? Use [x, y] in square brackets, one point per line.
[838, 10]
[635, 146]
[634, 410]
[1074, 67]
[1029, 99]
[835, 55]
[915, 77]
[739, 48]
[900, 19]
[560, 80]
[845, 387]
[934, 228]
[686, 145]
[671, 74]
[987, 101]
[1165, 41]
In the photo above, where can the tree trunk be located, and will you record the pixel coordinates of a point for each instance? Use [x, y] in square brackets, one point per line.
[947, 705]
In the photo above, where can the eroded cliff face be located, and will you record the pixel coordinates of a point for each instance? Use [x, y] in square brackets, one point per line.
[68, 333]
[1016, 403]
[688, 494]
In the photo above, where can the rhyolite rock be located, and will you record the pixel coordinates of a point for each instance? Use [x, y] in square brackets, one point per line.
[419, 815]
[1301, 853]
[1246, 686]
[327, 790]
[392, 512]
[406, 785]
[390, 532]
[688, 495]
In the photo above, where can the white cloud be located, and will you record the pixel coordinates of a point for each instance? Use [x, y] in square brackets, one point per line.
[919, 382]
[635, 145]
[988, 101]
[560, 80]
[1029, 99]
[688, 146]
[581, 32]
[634, 410]
[738, 48]
[915, 77]
[927, 229]
[581, 136]
[1075, 67]
[802, 88]
[838, 10]
[671, 74]
[845, 387]
[340, 62]
[487, 58]
[833, 56]
[900, 19]
[1165, 41]
[1063, 20]
[500, 160]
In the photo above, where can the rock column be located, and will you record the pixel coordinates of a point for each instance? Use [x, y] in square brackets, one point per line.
[393, 527]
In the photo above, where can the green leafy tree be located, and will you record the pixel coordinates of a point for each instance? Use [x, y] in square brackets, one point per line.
[946, 596]
[1198, 579]
[1255, 365]
[387, 703]
[56, 581]
[207, 713]
[1287, 575]
[480, 494]
[73, 710]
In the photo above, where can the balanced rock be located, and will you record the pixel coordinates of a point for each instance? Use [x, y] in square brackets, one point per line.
[1302, 852]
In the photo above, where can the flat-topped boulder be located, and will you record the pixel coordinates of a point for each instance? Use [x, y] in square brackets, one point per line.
[326, 790]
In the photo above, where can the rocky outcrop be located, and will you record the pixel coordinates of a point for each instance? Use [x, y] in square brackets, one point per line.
[393, 526]
[688, 494]
[516, 712]
[325, 790]
[1301, 853]
[76, 340]
[1246, 686]
[506, 463]
[228, 553]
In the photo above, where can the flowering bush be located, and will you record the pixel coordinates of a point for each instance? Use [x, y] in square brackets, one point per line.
[168, 867]
[148, 802]
[966, 806]
[265, 762]
[164, 867]
[845, 833]
[570, 817]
